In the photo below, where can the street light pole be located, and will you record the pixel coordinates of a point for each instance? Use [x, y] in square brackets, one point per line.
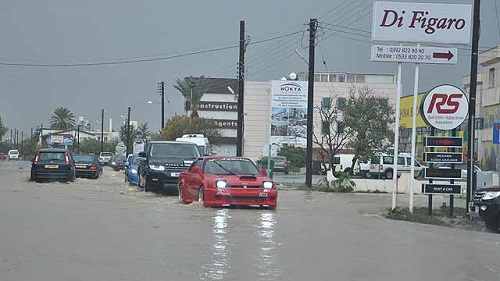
[161, 89]
[191, 85]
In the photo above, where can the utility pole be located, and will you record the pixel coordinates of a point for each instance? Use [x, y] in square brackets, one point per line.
[22, 142]
[102, 130]
[191, 86]
[162, 88]
[313, 23]
[472, 102]
[10, 140]
[78, 138]
[128, 131]
[241, 85]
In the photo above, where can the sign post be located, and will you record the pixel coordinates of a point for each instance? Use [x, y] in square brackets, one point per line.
[410, 22]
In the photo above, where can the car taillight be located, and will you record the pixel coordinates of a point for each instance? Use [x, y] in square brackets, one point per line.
[67, 158]
[93, 167]
[36, 158]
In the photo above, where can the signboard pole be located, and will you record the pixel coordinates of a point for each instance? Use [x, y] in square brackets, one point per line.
[413, 136]
[396, 139]
[453, 134]
[431, 165]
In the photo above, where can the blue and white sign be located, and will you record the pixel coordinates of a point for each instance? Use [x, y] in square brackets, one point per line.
[496, 133]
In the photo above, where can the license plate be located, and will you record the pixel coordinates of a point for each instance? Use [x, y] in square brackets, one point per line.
[81, 166]
[174, 175]
[263, 194]
[51, 166]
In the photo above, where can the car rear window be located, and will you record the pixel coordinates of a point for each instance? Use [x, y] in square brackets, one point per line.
[14, 152]
[83, 158]
[52, 156]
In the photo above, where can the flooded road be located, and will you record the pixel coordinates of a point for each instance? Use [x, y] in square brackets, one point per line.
[106, 230]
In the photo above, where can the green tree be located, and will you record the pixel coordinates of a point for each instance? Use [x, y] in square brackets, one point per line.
[295, 155]
[180, 125]
[3, 129]
[368, 119]
[123, 133]
[89, 145]
[143, 131]
[192, 89]
[62, 119]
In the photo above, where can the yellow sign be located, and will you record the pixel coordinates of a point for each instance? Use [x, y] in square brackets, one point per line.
[406, 112]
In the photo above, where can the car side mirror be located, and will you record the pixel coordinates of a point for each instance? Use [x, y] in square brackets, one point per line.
[195, 170]
[142, 154]
[263, 172]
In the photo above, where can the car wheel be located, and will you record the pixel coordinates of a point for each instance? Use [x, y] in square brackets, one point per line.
[201, 195]
[146, 186]
[389, 174]
[492, 224]
[126, 178]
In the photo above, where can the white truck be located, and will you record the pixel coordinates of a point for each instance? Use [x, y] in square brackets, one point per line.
[200, 140]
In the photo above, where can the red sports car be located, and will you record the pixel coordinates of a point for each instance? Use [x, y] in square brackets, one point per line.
[227, 181]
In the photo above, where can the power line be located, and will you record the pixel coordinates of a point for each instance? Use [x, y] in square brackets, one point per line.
[131, 61]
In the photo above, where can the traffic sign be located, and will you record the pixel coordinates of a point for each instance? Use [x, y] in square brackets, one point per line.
[443, 157]
[414, 54]
[496, 133]
[430, 188]
[445, 107]
[456, 142]
[443, 174]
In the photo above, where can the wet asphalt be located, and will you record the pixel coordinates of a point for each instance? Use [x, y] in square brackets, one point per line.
[106, 230]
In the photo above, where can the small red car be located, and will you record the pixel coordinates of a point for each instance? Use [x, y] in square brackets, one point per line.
[220, 181]
[3, 156]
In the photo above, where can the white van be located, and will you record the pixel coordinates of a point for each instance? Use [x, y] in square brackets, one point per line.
[200, 140]
[343, 163]
[13, 154]
[382, 166]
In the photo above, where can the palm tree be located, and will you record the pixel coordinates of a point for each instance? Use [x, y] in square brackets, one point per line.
[62, 119]
[192, 89]
[143, 131]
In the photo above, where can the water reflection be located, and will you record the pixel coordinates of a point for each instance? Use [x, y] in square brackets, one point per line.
[266, 260]
[219, 265]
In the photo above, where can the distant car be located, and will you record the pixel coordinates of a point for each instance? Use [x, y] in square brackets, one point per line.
[3, 156]
[486, 203]
[227, 181]
[87, 166]
[53, 164]
[280, 164]
[131, 167]
[104, 157]
[117, 162]
[13, 154]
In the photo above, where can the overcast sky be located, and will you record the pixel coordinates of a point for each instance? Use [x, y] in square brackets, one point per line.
[93, 31]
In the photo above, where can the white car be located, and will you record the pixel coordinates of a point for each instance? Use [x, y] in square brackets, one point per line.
[13, 154]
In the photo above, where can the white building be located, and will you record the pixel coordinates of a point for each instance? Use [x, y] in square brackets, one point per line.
[220, 103]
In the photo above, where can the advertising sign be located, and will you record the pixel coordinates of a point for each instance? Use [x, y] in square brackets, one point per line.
[443, 157]
[422, 22]
[445, 107]
[443, 174]
[414, 54]
[441, 188]
[496, 133]
[289, 112]
[455, 142]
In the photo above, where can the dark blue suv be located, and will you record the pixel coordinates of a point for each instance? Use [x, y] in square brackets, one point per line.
[53, 164]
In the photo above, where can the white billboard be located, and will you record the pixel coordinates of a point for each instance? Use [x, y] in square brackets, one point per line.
[289, 112]
[422, 22]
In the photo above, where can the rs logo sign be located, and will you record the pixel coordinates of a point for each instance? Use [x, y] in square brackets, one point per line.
[444, 104]
[445, 107]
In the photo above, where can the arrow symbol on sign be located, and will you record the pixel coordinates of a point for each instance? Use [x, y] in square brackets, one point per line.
[448, 55]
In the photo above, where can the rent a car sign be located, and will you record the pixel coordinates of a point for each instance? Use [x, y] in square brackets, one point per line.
[422, 22]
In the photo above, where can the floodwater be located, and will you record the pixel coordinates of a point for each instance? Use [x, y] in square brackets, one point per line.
[106, 230]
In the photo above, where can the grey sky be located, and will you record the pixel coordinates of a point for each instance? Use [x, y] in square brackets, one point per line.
[70, 31]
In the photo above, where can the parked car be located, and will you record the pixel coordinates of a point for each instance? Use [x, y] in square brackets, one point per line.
[13, 154]
[486, 204]
[117, 162]
[3, 156]
[161, 163]
[131, 168]
[87, 166]
[104, 157]
[227, 181]
[280, 164]
[53, 164]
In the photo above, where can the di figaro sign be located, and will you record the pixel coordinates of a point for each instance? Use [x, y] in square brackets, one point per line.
[445, 107]
[419, 22]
